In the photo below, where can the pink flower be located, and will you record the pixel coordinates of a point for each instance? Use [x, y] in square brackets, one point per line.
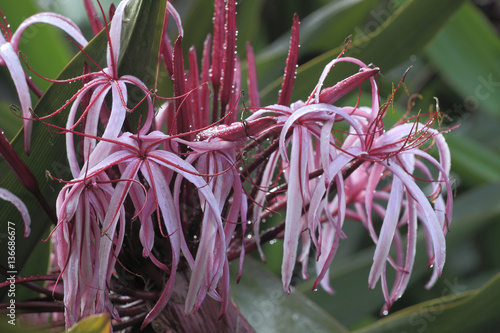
[353, 169]
[180, 204]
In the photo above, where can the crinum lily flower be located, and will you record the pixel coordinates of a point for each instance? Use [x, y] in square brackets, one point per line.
[155, 215]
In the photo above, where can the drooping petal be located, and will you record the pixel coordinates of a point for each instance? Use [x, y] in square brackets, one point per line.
[293, 212]
[21, 207]
[387, 232]
[9, 56]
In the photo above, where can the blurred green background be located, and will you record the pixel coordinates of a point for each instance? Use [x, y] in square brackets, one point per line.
[453, 48]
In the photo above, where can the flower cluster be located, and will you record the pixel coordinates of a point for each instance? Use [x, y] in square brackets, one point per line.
[191, 185]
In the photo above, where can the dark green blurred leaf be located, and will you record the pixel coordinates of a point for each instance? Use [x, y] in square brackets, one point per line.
[268, 308]
[473, 311]
[10, 123]
[326, 28]
[196, 21]
[408, 30]
[466, 54]
[475, 164]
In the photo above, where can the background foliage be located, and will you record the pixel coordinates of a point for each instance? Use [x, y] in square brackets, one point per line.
[454, 50]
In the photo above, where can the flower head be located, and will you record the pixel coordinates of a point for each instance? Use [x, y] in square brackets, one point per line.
[172, 202]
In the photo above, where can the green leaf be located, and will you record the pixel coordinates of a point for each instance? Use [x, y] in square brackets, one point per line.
[196, 21]
[476, 164]
[268, 308]
[100, 323]
[466, 55]
[472, 311]
[391, 43]
[48, 149]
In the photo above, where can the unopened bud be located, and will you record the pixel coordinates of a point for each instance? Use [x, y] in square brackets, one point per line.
[332, 94]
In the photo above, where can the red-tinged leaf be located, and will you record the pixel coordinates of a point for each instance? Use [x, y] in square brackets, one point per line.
[180, 87]
[291, 64]
[229, 60]
[217, 51]
[252, 83]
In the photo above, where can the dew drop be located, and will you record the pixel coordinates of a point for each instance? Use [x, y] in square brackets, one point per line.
[385, 312]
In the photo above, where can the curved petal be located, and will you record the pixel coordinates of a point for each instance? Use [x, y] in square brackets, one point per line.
[56, 20]
[9, 55]
[21, 207]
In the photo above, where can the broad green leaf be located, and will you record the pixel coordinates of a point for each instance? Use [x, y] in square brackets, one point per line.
[472, 311]
[48, 149]
[10, 123]
[408, 30]
[100, 323]
[466, 54]
[473, 211]
[267, 308]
